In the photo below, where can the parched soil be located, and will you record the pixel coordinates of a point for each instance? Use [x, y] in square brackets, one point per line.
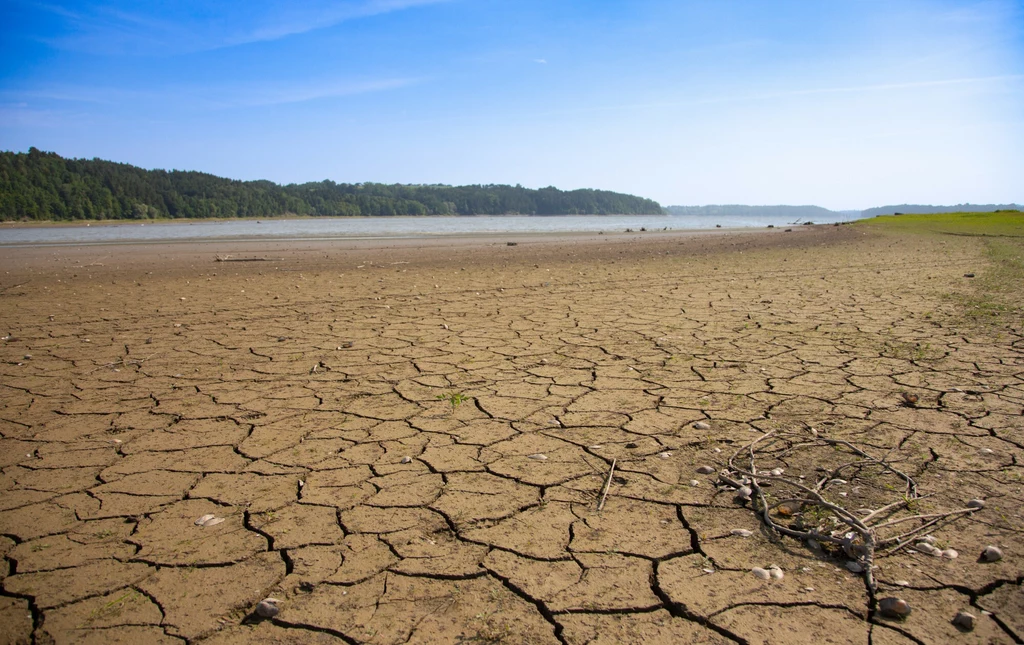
[409, 442]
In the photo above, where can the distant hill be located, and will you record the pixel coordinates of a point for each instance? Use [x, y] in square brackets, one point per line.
[44, 186]
[795, 212]
[924, 210]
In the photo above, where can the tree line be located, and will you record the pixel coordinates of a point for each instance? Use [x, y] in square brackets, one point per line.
[41, 186]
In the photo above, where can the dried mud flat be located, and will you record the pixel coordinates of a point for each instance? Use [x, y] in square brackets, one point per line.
[370, 423]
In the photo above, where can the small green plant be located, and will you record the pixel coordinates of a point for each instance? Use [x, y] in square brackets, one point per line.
[454, 399]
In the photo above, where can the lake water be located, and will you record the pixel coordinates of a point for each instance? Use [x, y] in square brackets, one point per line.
[341, 228]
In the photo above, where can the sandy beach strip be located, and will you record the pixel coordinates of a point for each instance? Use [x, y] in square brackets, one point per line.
[407, 440]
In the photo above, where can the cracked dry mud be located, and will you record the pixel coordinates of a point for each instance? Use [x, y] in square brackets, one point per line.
[283, 396]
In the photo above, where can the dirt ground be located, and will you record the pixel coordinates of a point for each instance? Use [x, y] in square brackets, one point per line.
[408, 442]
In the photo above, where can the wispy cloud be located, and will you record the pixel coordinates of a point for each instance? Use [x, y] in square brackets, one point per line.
[204, 98]
[540, 61]
[191, 25]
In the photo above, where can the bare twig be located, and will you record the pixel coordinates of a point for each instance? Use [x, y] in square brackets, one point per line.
[607, 484]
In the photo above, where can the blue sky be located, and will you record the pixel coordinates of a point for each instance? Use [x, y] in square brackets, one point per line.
[840, 103]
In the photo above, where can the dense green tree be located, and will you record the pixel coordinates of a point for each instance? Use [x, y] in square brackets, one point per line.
[44, 186]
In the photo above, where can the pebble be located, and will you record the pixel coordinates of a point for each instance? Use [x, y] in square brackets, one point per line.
[991, 554]
[950, 554]
[927, 549]
[964, 620]
[204, 519]
[267, 608]
[213, 521]
[894, 607]
[717, 450]
[538, 457]
[596, 446]
[705, 470]
[760, 573]
[986, 451]
[902, 583]
[976, 503]
[744, 493]
[702, 425]
[778, 471]
[776, 573]
[407, 459]
[741, 532]
[855, 567]
[664, 455]
[694, 482]
[631, 445]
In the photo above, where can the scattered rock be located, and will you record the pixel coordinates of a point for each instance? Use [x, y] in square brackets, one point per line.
[596, 446]
[702, 425]
[976, 503]
[407, 459]
[964, 620]
[744, 493]
[631, 445]
[893, 607]
[761, 574]
[777, 472]
[213, 521]
[902, 583]
[538, 457]
[664, 455]
[694, 482]
[741, 533]
[910, 398]
[855, 567]
[776, 573]
[267, 608]
[204, 519]
[991, 554]
[950, 554]
[966, 275]
[705, 470]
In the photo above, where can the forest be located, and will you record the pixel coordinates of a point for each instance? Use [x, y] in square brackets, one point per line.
[41, 186]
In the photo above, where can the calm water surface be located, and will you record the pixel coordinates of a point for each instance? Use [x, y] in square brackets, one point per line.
[341, 228]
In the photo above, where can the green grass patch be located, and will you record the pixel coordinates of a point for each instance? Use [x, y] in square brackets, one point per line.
[998, 224]
[995, 297]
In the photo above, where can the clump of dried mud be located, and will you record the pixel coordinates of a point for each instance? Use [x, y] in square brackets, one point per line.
[364, 419]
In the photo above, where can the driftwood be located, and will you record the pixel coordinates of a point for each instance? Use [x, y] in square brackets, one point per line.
[861, 534]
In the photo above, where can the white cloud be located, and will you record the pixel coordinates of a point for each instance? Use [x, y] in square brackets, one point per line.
[191, 25]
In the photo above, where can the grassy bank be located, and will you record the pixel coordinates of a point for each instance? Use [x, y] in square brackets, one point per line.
[996, 296]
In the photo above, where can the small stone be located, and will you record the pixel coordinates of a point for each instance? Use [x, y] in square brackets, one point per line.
[976, 503]
[406, 459]
[716, 450]
[902, 583]
[926, 548]
[631, 445]
[702, 425]
[894, 607]
[708, 570]
[991, 554]
[760, 573]
[204, 519]
[808, 589]
[814, 544]
[776, 573]
[741, 533]
[777, 472]
[705, 470]
[596, 446]
[538, 457]
[213, 521]
[964, 620]
[267, 608]
[664, 455]
[744, 493]
[855, 567]
[950, 554]
[694, 482]
[986, 451]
